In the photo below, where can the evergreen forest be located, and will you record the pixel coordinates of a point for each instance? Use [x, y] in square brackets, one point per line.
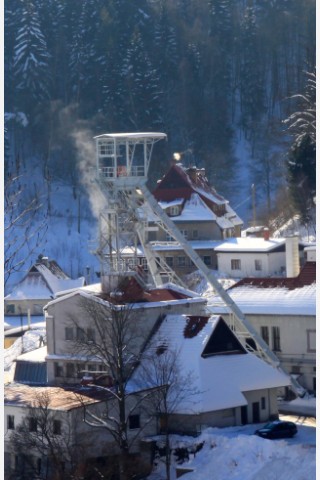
[219, 77]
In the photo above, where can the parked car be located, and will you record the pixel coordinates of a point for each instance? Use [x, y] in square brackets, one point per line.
[277, 429]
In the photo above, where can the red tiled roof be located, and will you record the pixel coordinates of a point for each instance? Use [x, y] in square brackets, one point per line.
[177, 183]
[132, 292]
[307, 276]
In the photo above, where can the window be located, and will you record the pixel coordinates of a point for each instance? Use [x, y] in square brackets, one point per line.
[194, 234]
[69, 333]
[174, 211]
[169, 261]
[10, 308]
[79, 369]
[134, 422]
[207, 260]
[295, 369]
[70, 370]
[33, 424]
[58, 370]
[169, 238]
[80, 334]
[276, 339]
[265, 334]
[56, 427]
[181, 261]
[235, 264]
[91, 335]
[311, 341]
[184, 233]
[144, 264]
[263, 403]
[258, 265]
[106, 149]
[10, 422]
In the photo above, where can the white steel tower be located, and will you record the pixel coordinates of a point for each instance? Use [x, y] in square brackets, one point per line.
[123, 161]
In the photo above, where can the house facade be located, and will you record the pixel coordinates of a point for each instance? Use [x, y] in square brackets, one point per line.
[68, 319]
[40, 285]
[198, 211]
[59, 440]
[231, 385]
[283, 312]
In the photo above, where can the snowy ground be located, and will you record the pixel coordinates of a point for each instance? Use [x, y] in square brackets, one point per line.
[235, 453]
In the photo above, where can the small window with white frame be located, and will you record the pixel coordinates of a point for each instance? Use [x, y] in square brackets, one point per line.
[174, 210]
[235, 264]
[184, 233]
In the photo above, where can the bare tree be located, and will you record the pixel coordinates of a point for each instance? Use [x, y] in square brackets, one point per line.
[23, 234]
[112, 339]
[48, 447]
[161, 370]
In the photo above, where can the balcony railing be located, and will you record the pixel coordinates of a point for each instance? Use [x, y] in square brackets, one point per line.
[122, 171]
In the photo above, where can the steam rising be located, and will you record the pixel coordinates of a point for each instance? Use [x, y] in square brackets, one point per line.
[86, 160]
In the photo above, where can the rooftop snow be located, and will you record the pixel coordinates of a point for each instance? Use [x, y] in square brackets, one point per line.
[270, 301]
[220, 379]
[196, 245]
[249, 244]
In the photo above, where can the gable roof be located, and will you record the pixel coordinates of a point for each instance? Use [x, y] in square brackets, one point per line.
[274, 296]
[220, 377]
[43, 281]
[177, 183]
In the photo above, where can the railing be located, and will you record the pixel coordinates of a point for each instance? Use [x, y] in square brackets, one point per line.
[122, 171]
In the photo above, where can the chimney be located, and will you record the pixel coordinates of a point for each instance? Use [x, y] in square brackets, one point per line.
[266, 234]
[292, 256]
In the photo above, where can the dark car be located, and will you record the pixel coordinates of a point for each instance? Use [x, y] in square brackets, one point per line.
[277, 429]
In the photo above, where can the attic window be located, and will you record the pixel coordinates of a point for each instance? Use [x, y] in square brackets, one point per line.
[174, 211]
[193, 326]
[222, 342]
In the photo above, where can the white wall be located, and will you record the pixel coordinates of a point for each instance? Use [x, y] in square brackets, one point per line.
[271, 264]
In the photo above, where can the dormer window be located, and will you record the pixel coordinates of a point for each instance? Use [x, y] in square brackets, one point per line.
[174, 211]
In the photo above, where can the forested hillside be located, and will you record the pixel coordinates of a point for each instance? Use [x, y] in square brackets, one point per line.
[217, 76]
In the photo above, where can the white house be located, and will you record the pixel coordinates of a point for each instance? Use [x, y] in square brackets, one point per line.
[283, 312]
[231, 386]
[146, 308]
[40, 285]
[254, 256]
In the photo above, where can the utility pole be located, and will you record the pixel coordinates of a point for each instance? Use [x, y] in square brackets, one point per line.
[253, 191]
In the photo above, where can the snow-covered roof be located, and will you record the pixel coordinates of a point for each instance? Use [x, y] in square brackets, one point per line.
[37, 355]
[134, 135]
[172, 203]
[270, 301]
[249, 244]
[42, 284]
[195, 210]
[221, 380]
[96, 294]
[196, 245]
